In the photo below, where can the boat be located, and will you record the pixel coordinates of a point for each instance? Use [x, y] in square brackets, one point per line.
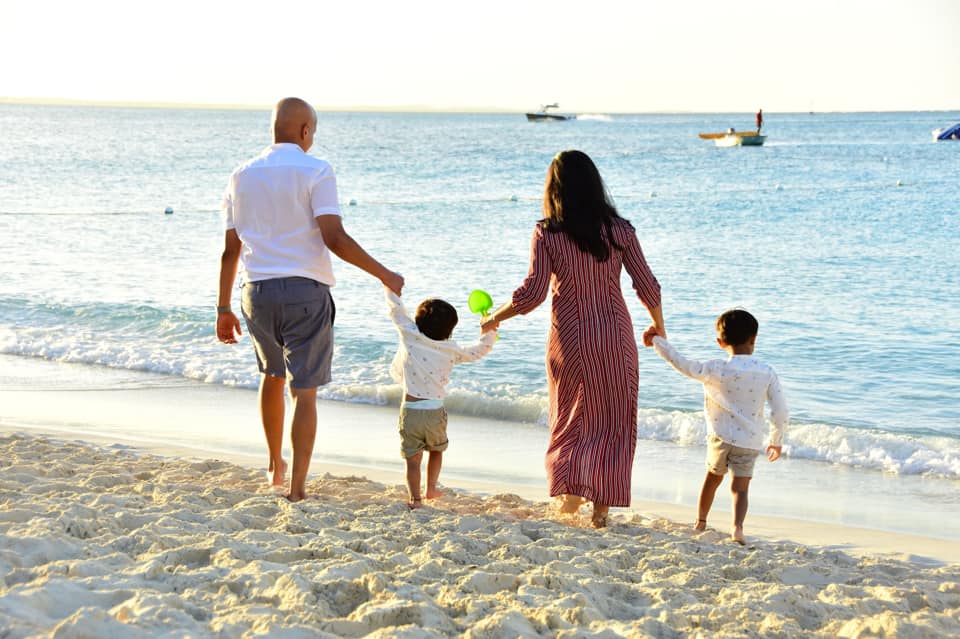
[735, 138]
[544, 115]
[949, 133]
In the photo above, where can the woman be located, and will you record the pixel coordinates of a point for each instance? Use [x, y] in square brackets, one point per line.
[579, 248]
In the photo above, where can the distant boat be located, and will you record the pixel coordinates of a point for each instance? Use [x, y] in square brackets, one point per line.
[544, 115]
[949, 133]
[735, 138]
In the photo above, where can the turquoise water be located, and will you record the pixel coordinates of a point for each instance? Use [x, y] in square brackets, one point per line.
[839, 234]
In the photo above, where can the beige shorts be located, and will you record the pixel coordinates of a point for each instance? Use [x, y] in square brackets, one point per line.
[721, 456]
[422, 430]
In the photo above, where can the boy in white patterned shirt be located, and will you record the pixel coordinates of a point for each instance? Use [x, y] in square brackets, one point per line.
[422, 365]
[734, 393]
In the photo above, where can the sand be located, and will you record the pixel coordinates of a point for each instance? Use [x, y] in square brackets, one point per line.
[110, 542]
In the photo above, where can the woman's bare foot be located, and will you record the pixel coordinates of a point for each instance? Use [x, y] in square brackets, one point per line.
[701, 525]
[600, 516]
[434, 493]
[570, 504]
[415, 503]
[277, 474]
[737, 535]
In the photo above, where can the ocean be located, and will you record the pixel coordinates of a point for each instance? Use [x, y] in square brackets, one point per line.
[839, 234]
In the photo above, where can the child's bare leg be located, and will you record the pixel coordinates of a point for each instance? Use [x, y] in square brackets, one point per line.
[739, 488]
[707, 492]
[434, 462]
[272, 406]
[413, 480]
[600, 514]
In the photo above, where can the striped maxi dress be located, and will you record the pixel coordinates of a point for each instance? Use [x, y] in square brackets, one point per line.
[592, 371]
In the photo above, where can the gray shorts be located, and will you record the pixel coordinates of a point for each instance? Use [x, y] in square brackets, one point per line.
[290, 321]
[721, 456]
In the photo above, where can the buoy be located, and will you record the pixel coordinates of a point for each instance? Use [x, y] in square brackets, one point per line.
[778, 188]
[899, 183]
[653, 194]
[168, 210]
[353, 202]
[513, 198]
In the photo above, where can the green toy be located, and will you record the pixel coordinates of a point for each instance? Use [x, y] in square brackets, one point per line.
[480, 302]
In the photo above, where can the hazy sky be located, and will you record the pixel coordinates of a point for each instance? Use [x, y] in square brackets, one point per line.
[595, 56]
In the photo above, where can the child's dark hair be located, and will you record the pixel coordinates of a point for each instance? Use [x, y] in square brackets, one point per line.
[737, 326]
[436, 318]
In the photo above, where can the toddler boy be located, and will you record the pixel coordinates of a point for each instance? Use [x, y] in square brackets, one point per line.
[422, 365]
[734, 392]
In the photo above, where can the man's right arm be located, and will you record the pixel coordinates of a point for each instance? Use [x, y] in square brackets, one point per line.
[228, 326]
[346, 248]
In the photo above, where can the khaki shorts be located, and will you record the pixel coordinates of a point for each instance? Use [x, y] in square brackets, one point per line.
[721, 456]
[422, 430]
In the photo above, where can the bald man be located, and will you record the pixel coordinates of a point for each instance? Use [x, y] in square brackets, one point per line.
[282, 219]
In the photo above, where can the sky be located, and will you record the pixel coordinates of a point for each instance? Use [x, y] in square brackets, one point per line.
[597, 56]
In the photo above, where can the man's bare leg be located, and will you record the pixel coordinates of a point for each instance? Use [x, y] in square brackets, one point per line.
[303, 432]
[434, 462]
[272, 407]
[413, 480]
[707, 493]
[739, 488]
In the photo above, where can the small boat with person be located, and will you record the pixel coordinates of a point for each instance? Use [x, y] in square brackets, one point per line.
[544, 114]
[732, 137]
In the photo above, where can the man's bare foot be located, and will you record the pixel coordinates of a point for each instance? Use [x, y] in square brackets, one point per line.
[737, 535]
[570, 504]
[434, 493]
[295, 497]
[700, 525]
[415, 503]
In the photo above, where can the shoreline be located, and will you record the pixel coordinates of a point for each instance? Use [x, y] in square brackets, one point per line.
[185, 419]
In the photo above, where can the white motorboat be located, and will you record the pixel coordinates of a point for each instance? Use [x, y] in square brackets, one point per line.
[544, 114]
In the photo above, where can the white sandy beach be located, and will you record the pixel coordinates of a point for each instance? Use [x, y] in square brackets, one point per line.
[109, 542]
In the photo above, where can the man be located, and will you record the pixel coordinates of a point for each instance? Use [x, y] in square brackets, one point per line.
[282, 219]
[759, 120]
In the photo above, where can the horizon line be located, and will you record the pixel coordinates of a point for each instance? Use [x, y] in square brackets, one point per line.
[405, 108]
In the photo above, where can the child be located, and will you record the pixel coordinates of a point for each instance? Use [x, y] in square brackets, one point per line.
[734, 391]
[422, 365]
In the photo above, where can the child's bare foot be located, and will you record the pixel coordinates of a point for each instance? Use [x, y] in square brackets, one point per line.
[276, 474]
[737, 535]
[415, 503]
[570, 504]
[294, 497]
[434, 493]
[700, 525]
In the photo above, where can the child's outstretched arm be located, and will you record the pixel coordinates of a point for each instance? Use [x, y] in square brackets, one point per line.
[779, 417]
[692, 368]
[398, 313]
[475, 351]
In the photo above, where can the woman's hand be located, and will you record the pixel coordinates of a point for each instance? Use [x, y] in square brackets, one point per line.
[651, 332]
[489, 323]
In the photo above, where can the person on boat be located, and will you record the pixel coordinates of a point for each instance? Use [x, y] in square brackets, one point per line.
[578, 251]
[759, 120]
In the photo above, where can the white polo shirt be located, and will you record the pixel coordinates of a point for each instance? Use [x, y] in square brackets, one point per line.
[734, 393]
[272, 201]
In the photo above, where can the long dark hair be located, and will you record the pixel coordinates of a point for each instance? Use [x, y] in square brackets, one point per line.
[576, 202]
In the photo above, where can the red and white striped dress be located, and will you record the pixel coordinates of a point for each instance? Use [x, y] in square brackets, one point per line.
[592, 373]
